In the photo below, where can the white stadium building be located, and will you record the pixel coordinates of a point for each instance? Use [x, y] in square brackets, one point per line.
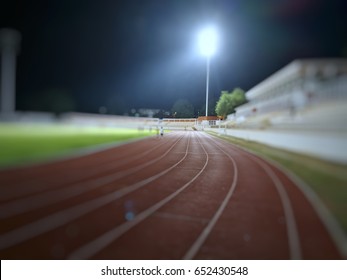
[306, 92]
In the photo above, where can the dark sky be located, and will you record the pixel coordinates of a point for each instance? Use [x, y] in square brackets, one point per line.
[143, 54]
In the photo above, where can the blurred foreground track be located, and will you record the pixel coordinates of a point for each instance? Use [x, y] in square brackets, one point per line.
[185, 195]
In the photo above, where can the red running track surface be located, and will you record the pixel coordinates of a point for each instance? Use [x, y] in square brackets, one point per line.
[186, 195]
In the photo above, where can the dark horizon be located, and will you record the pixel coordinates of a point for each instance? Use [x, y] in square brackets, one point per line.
[143, 54]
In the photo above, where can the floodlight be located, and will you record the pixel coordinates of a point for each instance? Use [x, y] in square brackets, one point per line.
[208, 41]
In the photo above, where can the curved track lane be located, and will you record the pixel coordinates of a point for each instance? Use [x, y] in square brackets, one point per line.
[184, 196]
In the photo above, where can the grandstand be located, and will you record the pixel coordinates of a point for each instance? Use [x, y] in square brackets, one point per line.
[179, 123]
[305, 93]
[129, 122]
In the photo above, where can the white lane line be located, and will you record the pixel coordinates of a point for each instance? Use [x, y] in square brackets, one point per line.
[325, 216]
[98, 244]
[207, 230]
[33, 202]
[60, 218]
[292, 231]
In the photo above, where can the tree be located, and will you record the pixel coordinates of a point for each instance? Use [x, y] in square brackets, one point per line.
[182, 108]
[228, 101]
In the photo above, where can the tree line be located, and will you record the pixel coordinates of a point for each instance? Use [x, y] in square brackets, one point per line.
[59, 101]
[226, 105]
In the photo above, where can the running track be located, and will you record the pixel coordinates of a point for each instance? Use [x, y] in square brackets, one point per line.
[187, 195]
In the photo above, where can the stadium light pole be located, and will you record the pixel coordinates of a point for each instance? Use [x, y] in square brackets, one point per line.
[208, 45]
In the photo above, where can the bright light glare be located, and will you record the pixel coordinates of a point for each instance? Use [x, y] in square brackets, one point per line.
[208, 41]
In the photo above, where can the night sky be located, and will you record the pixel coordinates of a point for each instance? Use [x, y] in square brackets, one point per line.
[144, 54]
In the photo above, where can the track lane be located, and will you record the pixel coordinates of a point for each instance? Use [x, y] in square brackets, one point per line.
[207, 230]
[317, 244]
[61, 217]
[103, 241]
[78, 170]
[251, 222]
[177, 223]
[315, 240]
[66, 191]
[252, 225]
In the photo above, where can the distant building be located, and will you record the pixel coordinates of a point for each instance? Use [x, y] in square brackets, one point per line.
[302, 83]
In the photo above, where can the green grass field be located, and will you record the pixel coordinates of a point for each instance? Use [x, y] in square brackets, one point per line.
[23, 144]
[327, 179]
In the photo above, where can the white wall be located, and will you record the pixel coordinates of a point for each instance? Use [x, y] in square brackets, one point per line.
[328, 146]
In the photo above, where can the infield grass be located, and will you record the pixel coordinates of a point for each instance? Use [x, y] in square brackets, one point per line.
[327, 179]
[23, 144]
